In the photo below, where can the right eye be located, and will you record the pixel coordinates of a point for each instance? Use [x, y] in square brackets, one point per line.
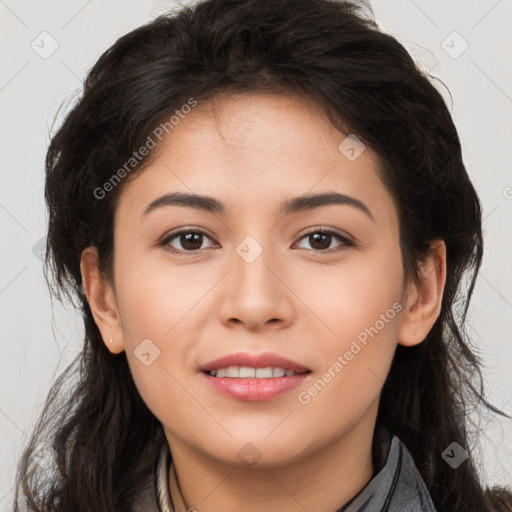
[190, 241]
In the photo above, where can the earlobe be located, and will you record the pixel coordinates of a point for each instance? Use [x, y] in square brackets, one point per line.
[424, 298]
[101, 299]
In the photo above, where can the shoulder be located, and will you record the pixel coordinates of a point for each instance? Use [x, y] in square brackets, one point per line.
[397, 486]
[411, 492]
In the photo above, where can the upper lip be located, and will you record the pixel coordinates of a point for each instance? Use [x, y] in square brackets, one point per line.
[263, 360]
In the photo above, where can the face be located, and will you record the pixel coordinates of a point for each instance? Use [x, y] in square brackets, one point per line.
[318, 284]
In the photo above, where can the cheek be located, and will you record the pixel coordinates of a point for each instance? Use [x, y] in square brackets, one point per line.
[160, 308]
[359, 306]
[351, 296]
[356, 364]
[155, 298]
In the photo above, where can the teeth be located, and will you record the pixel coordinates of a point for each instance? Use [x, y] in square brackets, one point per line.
[232, 371]
[246, 372]
[264, 373]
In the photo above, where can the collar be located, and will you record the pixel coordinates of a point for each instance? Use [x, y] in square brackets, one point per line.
[163, 471]
[396, 485]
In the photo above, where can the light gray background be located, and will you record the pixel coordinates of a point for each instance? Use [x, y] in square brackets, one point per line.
[35, 347]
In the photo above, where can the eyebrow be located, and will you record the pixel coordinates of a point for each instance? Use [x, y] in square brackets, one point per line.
[294, 205]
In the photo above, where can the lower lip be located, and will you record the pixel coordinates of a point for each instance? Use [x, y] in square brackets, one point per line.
[254, 390]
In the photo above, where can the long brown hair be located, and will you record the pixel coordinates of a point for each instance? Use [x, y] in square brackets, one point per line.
[331, 52]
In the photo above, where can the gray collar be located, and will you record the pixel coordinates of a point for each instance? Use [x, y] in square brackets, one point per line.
[396, 486]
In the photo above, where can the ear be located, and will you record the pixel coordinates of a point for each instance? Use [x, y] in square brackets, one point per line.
[423, 299]
[101, 299]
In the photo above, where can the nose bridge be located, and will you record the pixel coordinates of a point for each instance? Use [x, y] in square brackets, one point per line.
[252, 275]
[255, 294]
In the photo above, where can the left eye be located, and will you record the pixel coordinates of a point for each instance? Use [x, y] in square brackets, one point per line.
[320, 240]
[191, 240]
[325, 237]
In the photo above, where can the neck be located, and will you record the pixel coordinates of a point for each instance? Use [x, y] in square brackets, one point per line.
[323, 481]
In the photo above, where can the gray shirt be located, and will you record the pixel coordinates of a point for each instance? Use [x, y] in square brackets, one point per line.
[396, 486]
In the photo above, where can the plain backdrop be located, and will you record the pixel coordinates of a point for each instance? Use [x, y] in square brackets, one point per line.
[464, 43]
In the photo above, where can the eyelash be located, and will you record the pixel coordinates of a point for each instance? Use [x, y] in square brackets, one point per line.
[345, 242]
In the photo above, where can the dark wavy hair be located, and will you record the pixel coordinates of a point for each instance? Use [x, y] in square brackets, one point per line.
[332, 53]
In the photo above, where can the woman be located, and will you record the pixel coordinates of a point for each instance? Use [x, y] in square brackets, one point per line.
[263, 211]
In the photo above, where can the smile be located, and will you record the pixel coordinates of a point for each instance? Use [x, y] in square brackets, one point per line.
[247, 372]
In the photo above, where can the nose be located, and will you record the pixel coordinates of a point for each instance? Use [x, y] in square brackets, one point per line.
[256, 295]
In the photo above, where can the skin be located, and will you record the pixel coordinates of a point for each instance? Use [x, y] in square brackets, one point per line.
[251, 152]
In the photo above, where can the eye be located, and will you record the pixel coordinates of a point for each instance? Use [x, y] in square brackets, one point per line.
[321, 239]
[190, 241]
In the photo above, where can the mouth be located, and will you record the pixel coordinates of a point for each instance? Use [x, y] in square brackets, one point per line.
[247, 365]
[250, 377]
[247, 372]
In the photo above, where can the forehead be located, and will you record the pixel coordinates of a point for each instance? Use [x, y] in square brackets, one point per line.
[241, 125]
[248, 148]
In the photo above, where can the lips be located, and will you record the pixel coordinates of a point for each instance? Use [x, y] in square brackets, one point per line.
[244, 359]
[224, 376]
[254, 390]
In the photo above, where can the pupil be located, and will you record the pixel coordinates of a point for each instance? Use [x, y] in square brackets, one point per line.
[316, 237]
[189, 241]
